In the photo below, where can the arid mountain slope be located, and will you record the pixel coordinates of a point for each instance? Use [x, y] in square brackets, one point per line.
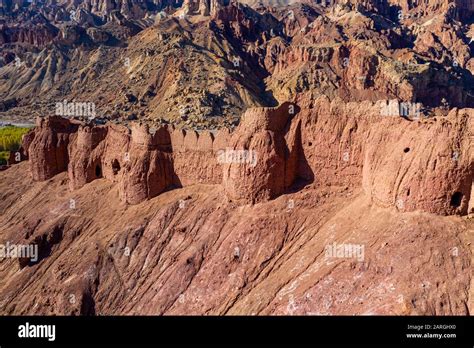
[246, 242]
[303, 159]
[202, 65]
[212, 257]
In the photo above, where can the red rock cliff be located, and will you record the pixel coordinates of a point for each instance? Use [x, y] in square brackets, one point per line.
[428, 167]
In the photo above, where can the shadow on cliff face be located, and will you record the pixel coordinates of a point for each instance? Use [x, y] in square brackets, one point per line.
[461, 198]
[87, 304]
[304, 175]
[176, 183]
[45, 243]
[98, 171]
[470, 191]
[438, 84]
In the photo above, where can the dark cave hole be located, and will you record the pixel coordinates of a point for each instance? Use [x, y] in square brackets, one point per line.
[88, 305]
[406, 149]
[98, 171]
[456, 199]
[115, 166]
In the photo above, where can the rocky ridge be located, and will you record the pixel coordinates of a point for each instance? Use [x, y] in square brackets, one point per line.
[151, 62]
[277, 147]
[192, 192]
[327, 173]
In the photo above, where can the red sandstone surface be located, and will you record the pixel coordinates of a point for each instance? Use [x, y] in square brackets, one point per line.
[234, 154]
[149, 237]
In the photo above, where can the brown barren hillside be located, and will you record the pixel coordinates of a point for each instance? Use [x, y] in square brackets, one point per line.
[215, 158]
[239, 243]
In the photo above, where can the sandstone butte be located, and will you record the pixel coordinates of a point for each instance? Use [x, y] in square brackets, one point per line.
[150, 221]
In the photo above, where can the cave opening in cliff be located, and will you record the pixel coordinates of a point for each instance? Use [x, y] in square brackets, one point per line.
[115, 167]
[456, 199]
[98, 171]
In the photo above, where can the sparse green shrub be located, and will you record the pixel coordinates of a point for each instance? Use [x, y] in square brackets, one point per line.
[4, 155]
[10, 138]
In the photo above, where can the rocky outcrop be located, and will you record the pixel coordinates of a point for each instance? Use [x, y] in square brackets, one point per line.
[256, 164]
[241, 218]
[429, 167]
[48, 151]
[133, 9]
[192, 252]
[358, 50]
[85, 154]
[70, 35]
[26, 141]
[38, 34]
[144, 161]
[253, 166]
[321, 60]
[97, 36]
[148, 166]
[139, 161]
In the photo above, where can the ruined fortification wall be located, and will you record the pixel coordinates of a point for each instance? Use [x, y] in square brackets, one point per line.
[425, 164]
[333, 139]
[270, 170]
[428, 166]
[48, 151]
[195, 155]
[144, 162]
[85, 152]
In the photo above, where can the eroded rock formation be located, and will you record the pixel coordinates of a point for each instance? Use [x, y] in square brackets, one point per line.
[48, 150]
[176, 201]
[146, 162]
[257, 162]
[200, 249]
[148, 166]
[261, 56]
[429, 167]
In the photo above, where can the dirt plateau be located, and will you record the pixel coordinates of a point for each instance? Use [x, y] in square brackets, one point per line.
[133, 220]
